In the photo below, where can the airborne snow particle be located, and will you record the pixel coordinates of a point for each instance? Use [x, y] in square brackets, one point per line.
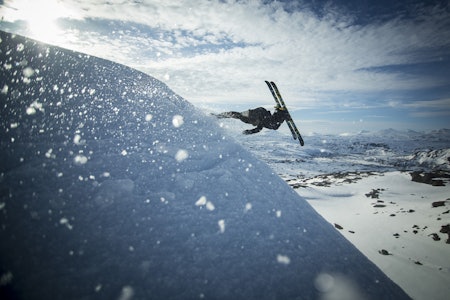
[148, 117]
[80, 159]
[324, 282]
[278, 213]
[248, 207]
[221, 224]
[65, 221]
[6, 278]
[201, 201]
[177, 121]
[283, 259]
[5, 89]
[181, 155]
[127, 293]
[210, 206]
[28, 72]
[31, 110]
[76, 139]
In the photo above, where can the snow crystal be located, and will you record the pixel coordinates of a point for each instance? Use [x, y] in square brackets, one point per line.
[127, 293]
[324, 282]
[65, 221]
[124, 152]
[6, 278]
[5, 89]
[337, 287]
[181, 155]
[177, 121]
[148, 117]
[248, 207]
[221, 224]
[31, 110]
[278, 213]
[283, 259]
[49, 154]
[210, 206]
[28, 72]
[20, 47]
[201, 201]
[2, 205]
[80, 159]
[76, 139]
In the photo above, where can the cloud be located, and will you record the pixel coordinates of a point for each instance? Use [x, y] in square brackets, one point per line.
[221, 51]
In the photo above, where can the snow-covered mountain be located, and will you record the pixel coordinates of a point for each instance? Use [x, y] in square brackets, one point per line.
[385, 150]
[387, 192]
[113, 187]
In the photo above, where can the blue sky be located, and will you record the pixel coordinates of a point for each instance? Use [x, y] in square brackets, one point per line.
[341, 65]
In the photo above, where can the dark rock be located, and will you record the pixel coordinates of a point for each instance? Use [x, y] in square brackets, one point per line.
[384, 252]
[338, 226]
[438, 203]
[374, 194]
[379, 205]
[435, 237]
[445, 228]
[430, 177]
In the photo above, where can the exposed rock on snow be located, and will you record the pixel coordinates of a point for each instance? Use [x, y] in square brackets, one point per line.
[436, 178]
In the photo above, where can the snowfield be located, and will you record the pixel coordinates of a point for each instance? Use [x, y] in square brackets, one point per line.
[113, 187]
[387, 192]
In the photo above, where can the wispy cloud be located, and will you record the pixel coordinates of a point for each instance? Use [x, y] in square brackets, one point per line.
[220, 51]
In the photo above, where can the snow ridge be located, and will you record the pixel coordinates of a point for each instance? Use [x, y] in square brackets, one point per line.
[115, 187]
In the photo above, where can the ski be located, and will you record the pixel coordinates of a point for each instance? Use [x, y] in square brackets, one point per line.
[279, 100]
[294, 135]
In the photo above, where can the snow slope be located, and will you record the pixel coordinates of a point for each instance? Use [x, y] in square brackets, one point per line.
[113, 187]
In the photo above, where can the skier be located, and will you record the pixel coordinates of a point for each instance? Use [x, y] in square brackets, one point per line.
[259, 117]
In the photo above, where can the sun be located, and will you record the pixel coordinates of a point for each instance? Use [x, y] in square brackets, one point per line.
[41, 17]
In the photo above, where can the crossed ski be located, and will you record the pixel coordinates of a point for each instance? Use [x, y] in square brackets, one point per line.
[280, 102]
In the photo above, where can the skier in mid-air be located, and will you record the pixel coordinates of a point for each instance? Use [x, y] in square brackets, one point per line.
[259, 117]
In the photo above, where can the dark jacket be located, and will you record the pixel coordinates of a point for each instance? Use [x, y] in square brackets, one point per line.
[262, 118]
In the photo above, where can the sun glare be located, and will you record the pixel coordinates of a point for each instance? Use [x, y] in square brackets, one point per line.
[41, 17]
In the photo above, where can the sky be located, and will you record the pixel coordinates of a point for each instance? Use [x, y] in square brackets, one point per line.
[342, 65]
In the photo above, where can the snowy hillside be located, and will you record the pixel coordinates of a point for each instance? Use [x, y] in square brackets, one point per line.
[113, 187]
